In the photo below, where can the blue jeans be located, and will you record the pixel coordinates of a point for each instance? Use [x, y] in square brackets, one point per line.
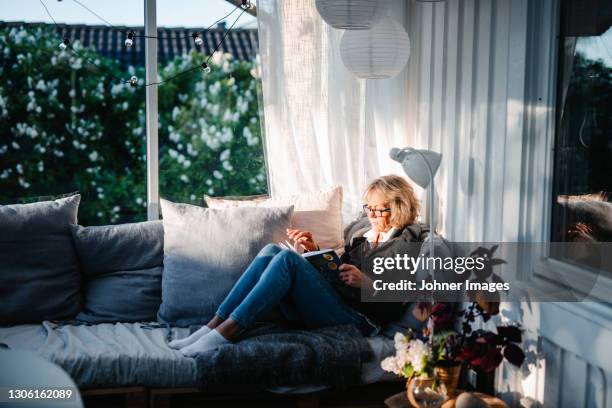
[282, 277]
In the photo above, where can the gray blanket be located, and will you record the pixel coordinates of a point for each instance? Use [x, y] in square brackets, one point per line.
[268, 355]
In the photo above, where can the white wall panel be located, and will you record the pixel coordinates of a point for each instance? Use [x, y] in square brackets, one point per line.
[481, 90]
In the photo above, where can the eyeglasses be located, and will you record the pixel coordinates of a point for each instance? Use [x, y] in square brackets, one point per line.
[376, 212]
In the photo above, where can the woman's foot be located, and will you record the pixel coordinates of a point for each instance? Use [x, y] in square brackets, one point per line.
[209, 341]
[192, 338]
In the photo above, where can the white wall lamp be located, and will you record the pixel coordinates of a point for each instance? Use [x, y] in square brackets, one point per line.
[421, 167]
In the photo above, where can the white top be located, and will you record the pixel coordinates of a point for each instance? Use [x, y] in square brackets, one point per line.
[371, 235]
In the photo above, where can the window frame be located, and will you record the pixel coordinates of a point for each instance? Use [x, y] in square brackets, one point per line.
[544, 68]
[152, 113]
[151, 107]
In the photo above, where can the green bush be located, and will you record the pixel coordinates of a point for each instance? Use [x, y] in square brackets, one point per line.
[67, 123]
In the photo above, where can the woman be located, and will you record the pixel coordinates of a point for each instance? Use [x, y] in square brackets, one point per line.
[281, 277]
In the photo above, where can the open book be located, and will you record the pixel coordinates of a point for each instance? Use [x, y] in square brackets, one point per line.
[325, 261]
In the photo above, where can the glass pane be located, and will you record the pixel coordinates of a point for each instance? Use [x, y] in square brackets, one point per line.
[583, 157]
[68, 121]
[210, 135]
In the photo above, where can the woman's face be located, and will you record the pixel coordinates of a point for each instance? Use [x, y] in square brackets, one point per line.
[376, 201]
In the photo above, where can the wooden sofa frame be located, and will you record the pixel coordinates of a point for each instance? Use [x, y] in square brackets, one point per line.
[365, 396]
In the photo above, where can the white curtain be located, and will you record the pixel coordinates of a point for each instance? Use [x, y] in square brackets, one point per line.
[324, 126]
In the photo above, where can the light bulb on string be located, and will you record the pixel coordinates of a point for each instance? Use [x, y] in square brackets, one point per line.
[64, 44]
[134, 81]
[197, 39]
[205, 68]
[130, 39]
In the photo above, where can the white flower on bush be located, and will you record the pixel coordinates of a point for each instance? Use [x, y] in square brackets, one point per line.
[23, 183]
[227, 116]
[225, 155]
[214, 88]
[227, 135]
[175, 113]
[227, 166]
[217, 58]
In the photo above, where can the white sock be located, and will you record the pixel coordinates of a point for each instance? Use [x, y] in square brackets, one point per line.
[192, 338]
[209, 341]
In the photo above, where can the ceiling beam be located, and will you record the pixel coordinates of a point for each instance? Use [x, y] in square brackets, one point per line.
[252, 11]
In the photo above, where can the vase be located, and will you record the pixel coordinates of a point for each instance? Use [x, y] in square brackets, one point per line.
[426, 392]
[449, 375]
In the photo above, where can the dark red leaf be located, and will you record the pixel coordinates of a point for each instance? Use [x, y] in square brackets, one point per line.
[514, 354]
[510, 333]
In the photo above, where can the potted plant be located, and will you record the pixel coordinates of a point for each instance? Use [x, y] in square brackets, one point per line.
[431, 360]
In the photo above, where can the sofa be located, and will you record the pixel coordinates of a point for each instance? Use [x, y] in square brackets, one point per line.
[102, 302]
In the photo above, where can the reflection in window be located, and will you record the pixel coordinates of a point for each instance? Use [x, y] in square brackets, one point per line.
[582, 210]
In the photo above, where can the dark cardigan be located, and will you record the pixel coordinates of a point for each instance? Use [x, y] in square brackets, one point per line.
[358, 252]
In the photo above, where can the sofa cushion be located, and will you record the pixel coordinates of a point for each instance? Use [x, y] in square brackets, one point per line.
[318, 212]
[122, 266]
[107, 355]
[39, 270]
[205, 252]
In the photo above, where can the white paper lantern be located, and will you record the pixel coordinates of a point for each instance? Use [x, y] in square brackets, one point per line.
[377, 53]
[352, 14]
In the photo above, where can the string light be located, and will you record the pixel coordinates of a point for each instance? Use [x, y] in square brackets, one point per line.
[64, 44]
[197, 39]
[130, 39]
[129, 42]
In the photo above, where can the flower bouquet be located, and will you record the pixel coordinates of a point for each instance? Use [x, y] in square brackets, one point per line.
[431, 360]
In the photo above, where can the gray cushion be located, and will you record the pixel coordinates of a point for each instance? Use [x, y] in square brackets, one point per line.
[205, 252]
[39, 270]
[122, 265]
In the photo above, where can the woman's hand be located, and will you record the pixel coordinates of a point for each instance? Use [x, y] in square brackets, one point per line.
[303, 238]
[352, 276]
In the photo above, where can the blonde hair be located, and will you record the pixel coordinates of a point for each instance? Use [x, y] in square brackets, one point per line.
[400, 195]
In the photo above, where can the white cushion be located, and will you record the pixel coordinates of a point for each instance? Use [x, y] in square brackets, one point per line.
[319, 212]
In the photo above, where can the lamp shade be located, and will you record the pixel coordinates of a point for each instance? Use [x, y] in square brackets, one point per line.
[377, 53]
[351, 14]
[420, 165]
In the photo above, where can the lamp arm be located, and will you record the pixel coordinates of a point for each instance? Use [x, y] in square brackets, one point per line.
[430, 200]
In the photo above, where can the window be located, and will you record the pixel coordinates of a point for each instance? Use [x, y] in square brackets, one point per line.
[67, 123]
[582, 207]
[210, 137]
